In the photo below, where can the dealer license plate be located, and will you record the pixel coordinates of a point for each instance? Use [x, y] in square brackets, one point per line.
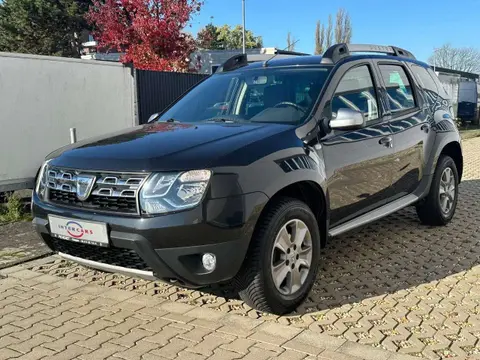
[87, 232]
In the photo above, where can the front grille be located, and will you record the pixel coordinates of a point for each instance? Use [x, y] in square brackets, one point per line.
[110, 192]
[126, 258]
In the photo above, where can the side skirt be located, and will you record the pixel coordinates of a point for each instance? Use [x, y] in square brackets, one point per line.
[374, 214]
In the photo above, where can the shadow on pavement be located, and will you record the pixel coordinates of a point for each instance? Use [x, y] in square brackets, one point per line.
[19, 243]
[393, 254]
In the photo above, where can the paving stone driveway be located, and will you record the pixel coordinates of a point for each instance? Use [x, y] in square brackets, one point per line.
[395, 284]
[18, 243]
[44, 316]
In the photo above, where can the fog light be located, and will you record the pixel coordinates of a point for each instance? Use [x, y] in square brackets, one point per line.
[209, 261]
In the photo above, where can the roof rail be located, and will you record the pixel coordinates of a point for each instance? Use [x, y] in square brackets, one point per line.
[339, 51]
[240, 60]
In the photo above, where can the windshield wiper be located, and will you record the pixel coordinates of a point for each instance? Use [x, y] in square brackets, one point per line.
[171, 120]
[222, 119]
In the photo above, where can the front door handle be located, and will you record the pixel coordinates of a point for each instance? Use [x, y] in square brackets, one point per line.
[425, 127]
[386, 141]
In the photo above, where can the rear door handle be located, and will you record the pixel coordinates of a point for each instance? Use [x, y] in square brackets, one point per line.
[386, 141]
[425, 127]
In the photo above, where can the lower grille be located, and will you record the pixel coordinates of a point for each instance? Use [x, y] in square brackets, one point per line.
[126, 258]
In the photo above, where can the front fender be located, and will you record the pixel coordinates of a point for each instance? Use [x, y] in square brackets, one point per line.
[281, 169]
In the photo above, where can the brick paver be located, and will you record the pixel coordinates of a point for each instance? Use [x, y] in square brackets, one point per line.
[160, 335]
[19, 242]
[391, 289]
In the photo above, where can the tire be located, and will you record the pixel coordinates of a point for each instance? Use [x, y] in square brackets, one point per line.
[255, 281]
[430, 210]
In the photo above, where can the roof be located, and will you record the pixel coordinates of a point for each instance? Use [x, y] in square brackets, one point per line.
[313, 60]
[463, 74]
[335, 54]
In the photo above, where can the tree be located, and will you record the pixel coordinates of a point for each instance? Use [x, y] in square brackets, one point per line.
[290, 42]
[328, 36]
[43, 27]
[463, 59]
[342, 33]
[343, 28]
[207, 38]
[227, 38]
[319, 39]
[150, 33]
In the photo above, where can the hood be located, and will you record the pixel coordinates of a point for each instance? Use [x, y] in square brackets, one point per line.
[164, 146]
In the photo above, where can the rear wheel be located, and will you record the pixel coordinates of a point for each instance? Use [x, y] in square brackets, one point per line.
[439, 206]
[282, 261]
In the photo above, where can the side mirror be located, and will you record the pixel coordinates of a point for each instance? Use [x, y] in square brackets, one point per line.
[348, 119]
[153, 117]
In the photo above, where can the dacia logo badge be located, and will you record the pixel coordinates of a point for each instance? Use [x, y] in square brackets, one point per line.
[84, 186]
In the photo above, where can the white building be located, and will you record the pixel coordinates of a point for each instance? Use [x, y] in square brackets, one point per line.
[207, 61]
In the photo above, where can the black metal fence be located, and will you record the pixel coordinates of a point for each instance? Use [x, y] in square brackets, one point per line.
[156, 90]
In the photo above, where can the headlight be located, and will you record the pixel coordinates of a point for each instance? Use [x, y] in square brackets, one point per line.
[168, 192]
[41, 186]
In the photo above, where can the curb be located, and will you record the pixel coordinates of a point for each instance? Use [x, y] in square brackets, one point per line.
[25, 259]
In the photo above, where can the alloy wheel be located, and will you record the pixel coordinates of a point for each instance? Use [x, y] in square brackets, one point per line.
[446, 192]
[291, 257]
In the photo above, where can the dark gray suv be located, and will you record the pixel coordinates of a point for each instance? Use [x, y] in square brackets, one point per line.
[246, 177]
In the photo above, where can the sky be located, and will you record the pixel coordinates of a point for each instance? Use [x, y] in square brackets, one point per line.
[419, 26]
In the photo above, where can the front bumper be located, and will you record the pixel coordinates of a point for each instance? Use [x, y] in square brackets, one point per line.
[167, 247]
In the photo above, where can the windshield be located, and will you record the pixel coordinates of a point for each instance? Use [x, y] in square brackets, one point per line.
[261, 95]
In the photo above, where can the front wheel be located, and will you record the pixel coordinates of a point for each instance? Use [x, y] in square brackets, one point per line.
[439, 206]
[282, 261]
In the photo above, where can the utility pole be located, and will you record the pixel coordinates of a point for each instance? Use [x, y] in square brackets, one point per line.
[243, 15]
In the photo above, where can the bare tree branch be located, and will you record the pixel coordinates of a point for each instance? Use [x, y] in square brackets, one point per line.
[342, 33]
[329, 33]
[318, 44]
[339, 26]
[290, 42]
[463, 59]
[347, 29]
[322, 39]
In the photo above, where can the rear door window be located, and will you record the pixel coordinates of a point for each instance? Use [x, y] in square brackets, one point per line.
[399, 90]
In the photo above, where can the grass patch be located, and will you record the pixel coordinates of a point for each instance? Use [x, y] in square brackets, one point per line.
[470, 134]
[468, 131]
[13, 210]
[10, 254]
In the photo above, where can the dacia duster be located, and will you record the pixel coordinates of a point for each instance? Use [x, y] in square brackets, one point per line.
[246, 176]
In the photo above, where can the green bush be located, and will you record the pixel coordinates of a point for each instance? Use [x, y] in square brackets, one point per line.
[13, 210]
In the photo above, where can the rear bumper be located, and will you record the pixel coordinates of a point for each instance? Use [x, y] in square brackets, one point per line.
[168, 247]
